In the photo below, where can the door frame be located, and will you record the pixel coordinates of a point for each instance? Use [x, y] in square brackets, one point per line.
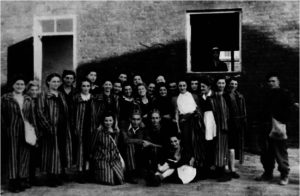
[38, 45]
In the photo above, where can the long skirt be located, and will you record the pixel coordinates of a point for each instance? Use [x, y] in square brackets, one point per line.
[17, 157]
[109, 173]
[193, 136]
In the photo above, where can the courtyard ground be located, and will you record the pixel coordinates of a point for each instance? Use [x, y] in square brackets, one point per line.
[237, 187]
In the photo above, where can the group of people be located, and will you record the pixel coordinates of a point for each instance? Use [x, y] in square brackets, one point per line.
[180, 130]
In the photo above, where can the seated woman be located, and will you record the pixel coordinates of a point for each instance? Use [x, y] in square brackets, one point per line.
[178, 165]
[107, 161]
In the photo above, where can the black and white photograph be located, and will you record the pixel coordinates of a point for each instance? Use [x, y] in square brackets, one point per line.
[150, 97]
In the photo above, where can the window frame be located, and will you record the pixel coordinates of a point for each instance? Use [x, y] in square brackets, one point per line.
[188, 36]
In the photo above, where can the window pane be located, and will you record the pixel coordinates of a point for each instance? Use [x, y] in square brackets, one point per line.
[64, 25]
[47, 26]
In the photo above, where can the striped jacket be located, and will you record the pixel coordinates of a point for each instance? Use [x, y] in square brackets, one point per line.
[106, 157]
[101, 106]
[47, 114]
[15, 150]
[78, 108]
[221, 114]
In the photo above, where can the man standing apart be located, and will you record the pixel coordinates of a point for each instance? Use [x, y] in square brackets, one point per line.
[276, 113]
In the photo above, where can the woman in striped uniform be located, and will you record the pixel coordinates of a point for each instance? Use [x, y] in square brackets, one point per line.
[237, 108]
[14, 107]
[220, 111]
[106, 101]
[106, 157]
[83, 113]
[52, 113]
[32, 90]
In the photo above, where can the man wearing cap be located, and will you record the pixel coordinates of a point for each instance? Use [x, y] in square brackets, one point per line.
[216, 64]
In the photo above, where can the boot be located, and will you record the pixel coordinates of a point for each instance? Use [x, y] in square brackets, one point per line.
[130, 179]
[224, 177]
[50, 181]
[81, 177]
[13, 186]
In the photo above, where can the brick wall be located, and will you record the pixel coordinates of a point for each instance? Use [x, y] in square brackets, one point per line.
[114, 36]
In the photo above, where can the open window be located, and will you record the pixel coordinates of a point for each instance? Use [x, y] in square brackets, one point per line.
[208, 29]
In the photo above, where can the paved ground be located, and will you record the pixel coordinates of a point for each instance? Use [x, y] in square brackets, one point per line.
[243, 186]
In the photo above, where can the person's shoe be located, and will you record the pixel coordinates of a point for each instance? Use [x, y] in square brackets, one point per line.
[149, 178]
[129, 177]
[13, 187]
[64, 177]
[283, 181]
[225, 177]
[50, 181]
[264, 177]
[81, 178]
[131, 180]
[156, 180]
[58, 181]
[35, 182]
[25, 185]
[235, 175]
[20, 186]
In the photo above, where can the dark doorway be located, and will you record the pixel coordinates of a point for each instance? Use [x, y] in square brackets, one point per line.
[57, 55]
[20, 60]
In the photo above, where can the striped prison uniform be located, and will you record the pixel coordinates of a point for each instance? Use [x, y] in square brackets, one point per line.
[106, 157]
[15, 150]
[78, 119]
[221, 115]
[56, 142]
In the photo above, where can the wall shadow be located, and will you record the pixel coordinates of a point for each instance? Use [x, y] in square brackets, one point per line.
[260, 55]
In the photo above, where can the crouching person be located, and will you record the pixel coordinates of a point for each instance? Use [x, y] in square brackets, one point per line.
[136, 146]
[107, 161]
[178, 166]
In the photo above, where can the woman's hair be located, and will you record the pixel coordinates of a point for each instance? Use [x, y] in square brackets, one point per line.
[272, 74]
[89, 71]
[50, 76]
[68, 72]
[85, 80]
[175, 135]
[31, 84]
[220, 77]
[182, 79]
[207, 80]
[159, 85]
[141, 84]
[108, 114]
[232, 79]
[126, 83]
[106, 80]
[16, 78]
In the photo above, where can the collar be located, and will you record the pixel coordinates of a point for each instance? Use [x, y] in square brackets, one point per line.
[11, 96]
[127, 99]
[85, 97]
[134, 130]
[208, 95]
